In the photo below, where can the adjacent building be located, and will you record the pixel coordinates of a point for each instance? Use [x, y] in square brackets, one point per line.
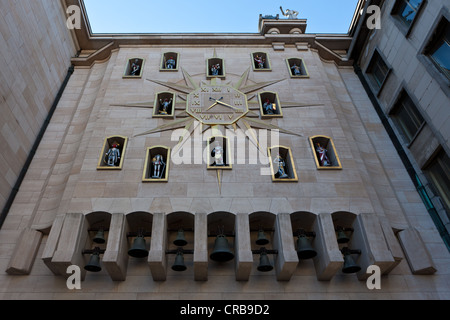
[278, 165]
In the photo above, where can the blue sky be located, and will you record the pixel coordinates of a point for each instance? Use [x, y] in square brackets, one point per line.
[203, 16]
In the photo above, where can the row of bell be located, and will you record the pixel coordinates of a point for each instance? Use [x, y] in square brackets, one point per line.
[222, 253]
[262, 240]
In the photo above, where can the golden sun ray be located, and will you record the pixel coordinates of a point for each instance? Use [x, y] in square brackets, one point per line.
[176, 124]
[248, 123]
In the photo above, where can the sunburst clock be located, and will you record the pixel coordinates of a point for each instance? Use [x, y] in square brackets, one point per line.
[217, 104]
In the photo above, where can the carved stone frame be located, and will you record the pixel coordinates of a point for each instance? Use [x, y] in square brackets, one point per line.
[165, 56]
[213, 61]
[290, 63]
[328, 143]
[267, 63]
[225, 143]
[150, 154]
[273, 96]
[157, 107]
[122, 142]
[286, 154]
[126, 74]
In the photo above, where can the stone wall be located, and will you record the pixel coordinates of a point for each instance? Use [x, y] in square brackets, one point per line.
[35, 53]
[65, 194]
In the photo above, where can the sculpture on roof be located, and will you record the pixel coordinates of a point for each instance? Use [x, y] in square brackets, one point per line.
[291, 14]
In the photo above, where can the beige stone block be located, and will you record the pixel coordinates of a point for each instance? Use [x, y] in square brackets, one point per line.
[72, 242]
[369, 238]
[52, 244]
[201, 247]
[157, 259]
[286, 260]
[243, 250]
[329, 258]
[115, 258]
[392, 243]
[416, 252]
[25, 252]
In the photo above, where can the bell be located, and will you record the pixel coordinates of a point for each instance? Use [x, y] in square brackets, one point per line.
[94, 263]
[262, 240]
[349, 265]
[264, 263]
[304, 248]
[100, 237]
[221, 252]
[139, 248]
[179, 263]
[180, 241]
[342, 236]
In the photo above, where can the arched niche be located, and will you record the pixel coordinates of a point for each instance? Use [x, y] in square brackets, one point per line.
[219, 153]
[325, 154]
[304, 224]
[361, 236]
[215, 68]
[221, 224]
[295, 31]
[177, 221]
[164, 106]
[302, 220]
[282, 164]
[98, 221]
[181, 237]
[343, 221]
[297, 68]
[97, 224]
[139, 223]
[261, 61]
[269, 104]
[156, 167]
[262, 222]
[170, 61]
[134, 68]
[113, 153]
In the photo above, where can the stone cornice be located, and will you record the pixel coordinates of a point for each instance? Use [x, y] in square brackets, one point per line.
[101, 46]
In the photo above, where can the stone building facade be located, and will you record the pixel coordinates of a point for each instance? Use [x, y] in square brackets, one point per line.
[412, 97]
[114, 100]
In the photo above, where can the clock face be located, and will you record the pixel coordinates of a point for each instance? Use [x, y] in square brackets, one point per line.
[217, 105]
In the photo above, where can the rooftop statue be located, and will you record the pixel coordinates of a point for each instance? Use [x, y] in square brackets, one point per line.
[291, 14]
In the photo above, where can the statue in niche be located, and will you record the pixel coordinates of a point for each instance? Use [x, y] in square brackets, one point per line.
[296, 71]
[290, 14]
[135, 67]
[165, 106]
[113, 156]
[323, 158]
[171, 63]
[281, 172]
[217, 153]
[269, 107]
[215, 69]
[259, 62]
[158, 167]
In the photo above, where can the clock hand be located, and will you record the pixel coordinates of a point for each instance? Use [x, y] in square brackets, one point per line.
[227, 105]
[219, 102]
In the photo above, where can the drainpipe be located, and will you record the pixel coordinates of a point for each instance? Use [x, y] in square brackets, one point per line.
[30, 157]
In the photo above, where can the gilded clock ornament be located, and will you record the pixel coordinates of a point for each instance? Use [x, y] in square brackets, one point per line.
[217, 105]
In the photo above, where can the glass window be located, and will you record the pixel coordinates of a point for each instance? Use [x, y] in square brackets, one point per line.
[440, 52]
[407, 10]
[378, 71]
[438, 172]
[406, 117]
